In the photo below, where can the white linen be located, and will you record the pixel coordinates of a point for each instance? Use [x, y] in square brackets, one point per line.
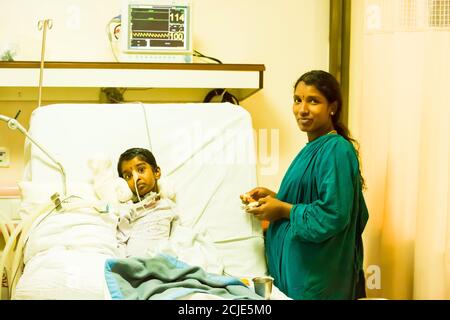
[59, 273]
[64, 255]
[84, 230]
[193, 247]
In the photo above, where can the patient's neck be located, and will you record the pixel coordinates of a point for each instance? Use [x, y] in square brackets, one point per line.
[155, 196]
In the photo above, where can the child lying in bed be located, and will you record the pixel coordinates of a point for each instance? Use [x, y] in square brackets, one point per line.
[150, 218]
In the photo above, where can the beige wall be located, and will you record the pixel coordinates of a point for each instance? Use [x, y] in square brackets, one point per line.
[288, 36]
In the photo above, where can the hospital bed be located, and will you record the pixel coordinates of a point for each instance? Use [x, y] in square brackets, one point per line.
[206, 153]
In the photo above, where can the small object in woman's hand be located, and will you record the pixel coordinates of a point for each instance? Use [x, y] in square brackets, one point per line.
[250, 205]
[253, 204]
[246, 198]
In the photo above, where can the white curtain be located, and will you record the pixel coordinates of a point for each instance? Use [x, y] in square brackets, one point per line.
[400, 114]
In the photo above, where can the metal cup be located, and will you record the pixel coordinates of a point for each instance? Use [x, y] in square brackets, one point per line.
[263, 286]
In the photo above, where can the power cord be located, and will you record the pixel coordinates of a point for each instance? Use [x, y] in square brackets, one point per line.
[147, 127]
[201, 55]
[35, 224]
[112, 95]
[114, 32]
[223, 94]
[115, 20]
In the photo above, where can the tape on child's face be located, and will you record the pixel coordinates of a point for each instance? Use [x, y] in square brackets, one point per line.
[135, 175]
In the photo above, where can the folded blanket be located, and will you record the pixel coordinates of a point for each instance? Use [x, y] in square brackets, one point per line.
[163, 277]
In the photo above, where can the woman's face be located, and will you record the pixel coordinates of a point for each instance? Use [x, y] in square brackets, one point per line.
[146, 177]
[312, 111]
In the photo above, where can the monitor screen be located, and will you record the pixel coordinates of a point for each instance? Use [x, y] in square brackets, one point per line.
[156, 27]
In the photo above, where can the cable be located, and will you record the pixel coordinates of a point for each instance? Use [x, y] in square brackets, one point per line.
[224, 95]
[16, 271]
[13, 124]
[112, 95]
[147, 127]
[108, 25]
[48, 213]
[21, 230]
[201, 55]
[17, 114]
[136, 189]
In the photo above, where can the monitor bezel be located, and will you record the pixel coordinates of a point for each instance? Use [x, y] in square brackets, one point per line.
[124, 29]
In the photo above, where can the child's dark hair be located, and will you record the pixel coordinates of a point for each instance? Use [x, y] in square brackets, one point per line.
[141, 153]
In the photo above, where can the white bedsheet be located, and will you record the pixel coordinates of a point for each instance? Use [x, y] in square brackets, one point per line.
[82, 230]
[64, 255]
[60, 273]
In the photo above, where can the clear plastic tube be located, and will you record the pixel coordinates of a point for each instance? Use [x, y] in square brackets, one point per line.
[135, 185]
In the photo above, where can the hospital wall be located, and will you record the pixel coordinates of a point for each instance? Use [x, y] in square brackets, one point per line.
[288, 36]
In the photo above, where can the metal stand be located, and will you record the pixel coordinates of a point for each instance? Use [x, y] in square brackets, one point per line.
[43, 25]
[13, 124]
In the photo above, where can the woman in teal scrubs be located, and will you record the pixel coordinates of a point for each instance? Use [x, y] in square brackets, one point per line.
[313, 244]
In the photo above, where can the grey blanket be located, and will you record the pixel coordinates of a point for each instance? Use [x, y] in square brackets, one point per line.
[165, 278]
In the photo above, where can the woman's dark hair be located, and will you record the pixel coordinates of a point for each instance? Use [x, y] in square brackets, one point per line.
[327, 85]
[141, 153]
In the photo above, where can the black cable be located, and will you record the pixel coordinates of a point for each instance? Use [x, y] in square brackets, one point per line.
[17, 114]
[201, 55]
[223, 93]
[113, 95]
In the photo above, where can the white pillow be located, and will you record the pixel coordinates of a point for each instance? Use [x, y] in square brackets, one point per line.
[36, 196]
[166, 188]
[39, 192]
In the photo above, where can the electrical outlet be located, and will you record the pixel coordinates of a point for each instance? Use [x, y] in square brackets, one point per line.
[4, 157]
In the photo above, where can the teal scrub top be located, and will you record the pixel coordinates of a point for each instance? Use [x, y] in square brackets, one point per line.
[318, 253]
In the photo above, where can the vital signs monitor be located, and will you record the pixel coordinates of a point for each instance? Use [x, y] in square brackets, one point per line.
[156, 31]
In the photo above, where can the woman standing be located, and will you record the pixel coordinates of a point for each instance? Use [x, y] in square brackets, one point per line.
[313, 244]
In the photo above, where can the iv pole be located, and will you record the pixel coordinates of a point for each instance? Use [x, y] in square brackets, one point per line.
[14, 124]
[43, 25]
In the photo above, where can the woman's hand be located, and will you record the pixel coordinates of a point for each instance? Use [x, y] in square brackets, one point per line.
[256, 194]
[270, 209]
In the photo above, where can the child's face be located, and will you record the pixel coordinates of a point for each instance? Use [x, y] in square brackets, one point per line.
[146, 177]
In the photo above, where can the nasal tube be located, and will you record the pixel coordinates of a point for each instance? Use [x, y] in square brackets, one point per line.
[135, 177]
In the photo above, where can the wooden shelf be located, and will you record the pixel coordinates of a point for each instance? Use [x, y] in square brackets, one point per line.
[186, 81]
